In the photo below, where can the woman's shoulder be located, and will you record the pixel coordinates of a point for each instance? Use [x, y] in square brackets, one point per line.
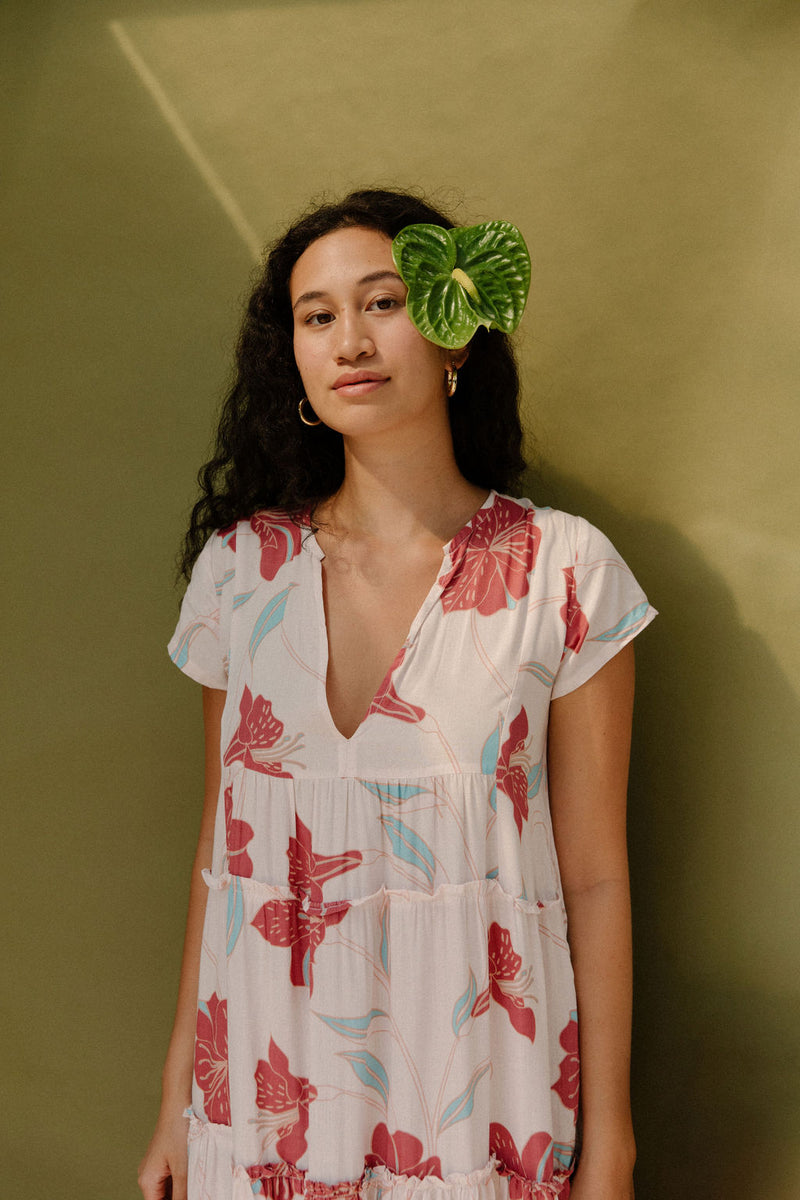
[554, 540]
[265, 525]
[554, 524]
[270, 538]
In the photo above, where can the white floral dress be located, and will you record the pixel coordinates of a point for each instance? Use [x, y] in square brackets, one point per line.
[386, 1002]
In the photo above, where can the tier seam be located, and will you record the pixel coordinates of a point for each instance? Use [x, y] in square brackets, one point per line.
[279, 891]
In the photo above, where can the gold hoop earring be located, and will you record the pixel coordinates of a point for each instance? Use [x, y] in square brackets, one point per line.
[451, 380]
[305, 420]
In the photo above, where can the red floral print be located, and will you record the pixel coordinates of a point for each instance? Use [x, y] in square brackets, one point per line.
[211, 1059]
[513, 767]
[286, 1096]
[286, 923]
[388, 703]
[237, 835]
[568, 1084]
[572, 614]
[492, 562]
[280, 540]
[534, 1165]
[259, 742]
[401, 1153]
[300, 924]
[508, 983]
[308, 871]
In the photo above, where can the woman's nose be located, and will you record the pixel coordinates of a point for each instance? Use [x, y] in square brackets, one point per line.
[353, 338]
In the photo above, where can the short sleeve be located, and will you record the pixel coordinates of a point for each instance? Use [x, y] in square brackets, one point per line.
[604, 608]
[198, 645]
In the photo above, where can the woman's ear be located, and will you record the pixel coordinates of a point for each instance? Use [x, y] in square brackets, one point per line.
[457, 358]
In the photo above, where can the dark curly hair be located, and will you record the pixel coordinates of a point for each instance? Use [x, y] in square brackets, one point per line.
[266, 458]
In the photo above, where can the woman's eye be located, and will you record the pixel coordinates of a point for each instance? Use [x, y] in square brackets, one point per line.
[320, 318]
[385, 303]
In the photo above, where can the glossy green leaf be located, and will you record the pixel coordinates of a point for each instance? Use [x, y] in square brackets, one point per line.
[461, 278]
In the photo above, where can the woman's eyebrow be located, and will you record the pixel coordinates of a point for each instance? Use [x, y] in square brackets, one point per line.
[378, 275]
[373, 277]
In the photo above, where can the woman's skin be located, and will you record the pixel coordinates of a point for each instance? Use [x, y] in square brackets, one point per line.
[166, 1156]
[369, 374]
[587, 764]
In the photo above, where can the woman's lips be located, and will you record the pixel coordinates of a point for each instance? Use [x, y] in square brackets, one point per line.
[360, 384]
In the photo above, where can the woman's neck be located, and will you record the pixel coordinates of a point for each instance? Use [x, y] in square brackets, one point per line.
[396, 493]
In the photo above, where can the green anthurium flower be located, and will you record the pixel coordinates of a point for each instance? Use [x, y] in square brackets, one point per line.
[461, 278]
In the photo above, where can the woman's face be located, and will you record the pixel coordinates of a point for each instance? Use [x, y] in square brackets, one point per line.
[364, 366]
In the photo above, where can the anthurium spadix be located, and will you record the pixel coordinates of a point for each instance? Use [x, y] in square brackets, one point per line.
[461, 278]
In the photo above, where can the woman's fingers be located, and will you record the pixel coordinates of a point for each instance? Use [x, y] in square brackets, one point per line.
[154, 1181]
[164, 1182]
[163, 1170]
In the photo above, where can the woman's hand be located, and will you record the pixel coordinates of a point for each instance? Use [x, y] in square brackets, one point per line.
[162, 1171]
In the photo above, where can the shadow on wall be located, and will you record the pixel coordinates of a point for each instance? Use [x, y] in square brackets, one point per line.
[714, 847]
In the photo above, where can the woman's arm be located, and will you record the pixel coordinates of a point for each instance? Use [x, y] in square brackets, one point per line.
[588, 751]
[166, 1156]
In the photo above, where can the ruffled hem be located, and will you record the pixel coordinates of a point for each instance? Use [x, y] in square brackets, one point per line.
[281, 1181]
[213, 1176]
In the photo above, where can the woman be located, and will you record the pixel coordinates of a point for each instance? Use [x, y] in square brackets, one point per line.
[417, 701]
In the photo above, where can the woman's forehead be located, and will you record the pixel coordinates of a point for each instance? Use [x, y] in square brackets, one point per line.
[344, 257]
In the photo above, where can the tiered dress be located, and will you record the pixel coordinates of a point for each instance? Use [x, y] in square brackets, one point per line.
[386, 1001]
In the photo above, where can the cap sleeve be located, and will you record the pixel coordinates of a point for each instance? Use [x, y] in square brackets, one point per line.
[604, 608]
[199, 644]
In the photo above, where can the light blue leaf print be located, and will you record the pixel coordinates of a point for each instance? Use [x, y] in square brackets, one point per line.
[461, 1108]
[463, 1005]
[540, 672]
[227, 537]
[352, 1027]
[241, 598]
[489, 756]
[491, 750]
[563, 1154]
[271, 616]
[393, 793]
[369, 1070]
[534, 780]
[627, 625]
[180, 656]
[493, 874]
[235, 917]
[409, 846]
[219, 584]
[385, 938]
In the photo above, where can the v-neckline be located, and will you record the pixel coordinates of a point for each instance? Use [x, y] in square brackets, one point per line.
[311, 544]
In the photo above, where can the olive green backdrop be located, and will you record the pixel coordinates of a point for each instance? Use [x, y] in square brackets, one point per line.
[650, 151]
